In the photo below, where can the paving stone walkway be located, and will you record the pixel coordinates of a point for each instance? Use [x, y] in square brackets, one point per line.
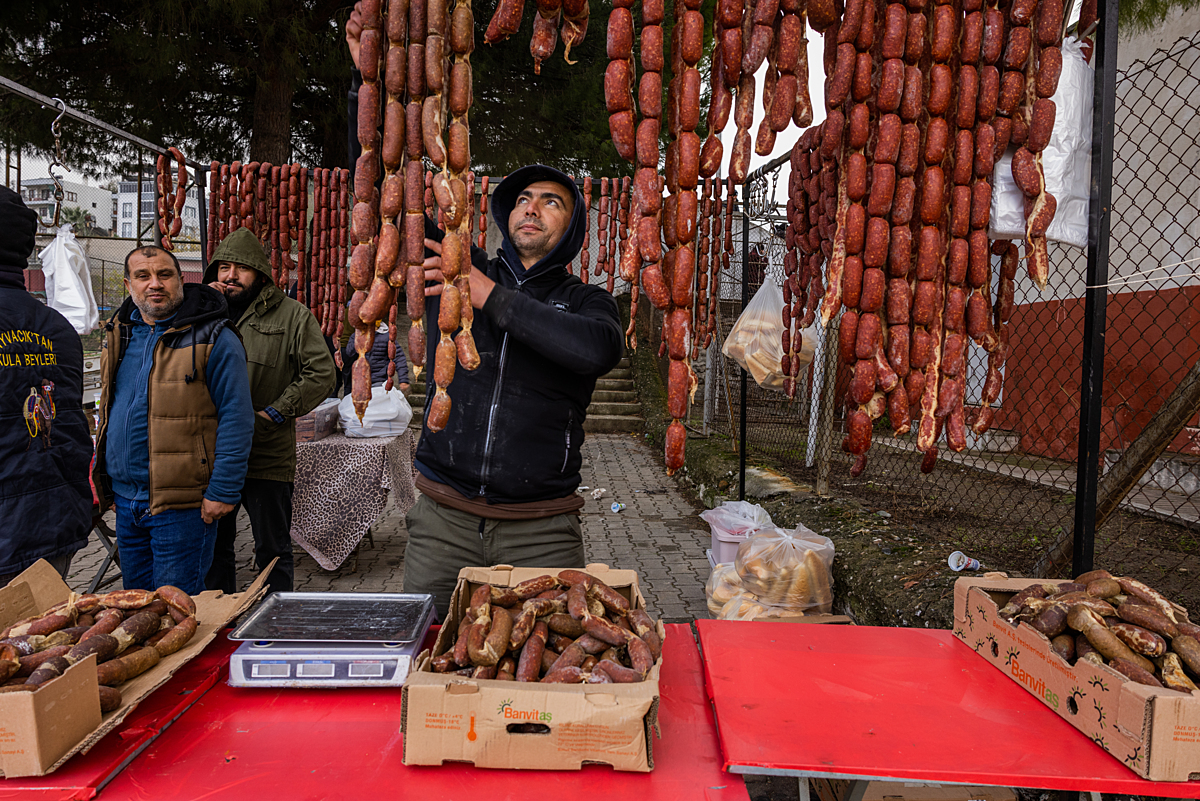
[658, 534]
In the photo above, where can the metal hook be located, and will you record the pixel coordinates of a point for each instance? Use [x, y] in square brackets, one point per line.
[59, 194]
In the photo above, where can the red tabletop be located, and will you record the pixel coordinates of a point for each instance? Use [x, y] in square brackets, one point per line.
[240, 743]
[83, 775]
[890, 703]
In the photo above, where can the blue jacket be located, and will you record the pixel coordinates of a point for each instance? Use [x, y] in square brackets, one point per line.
[45, 498]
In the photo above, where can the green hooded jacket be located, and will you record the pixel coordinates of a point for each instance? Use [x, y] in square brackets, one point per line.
[289, 363]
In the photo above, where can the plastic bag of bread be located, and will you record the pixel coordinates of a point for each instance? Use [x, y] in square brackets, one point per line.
[788, 569]
[723, 583]
[744, 606]
[755, 341]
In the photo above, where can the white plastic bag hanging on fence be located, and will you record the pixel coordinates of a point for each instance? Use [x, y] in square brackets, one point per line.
[69, 281]
[755, 341]
[388, 414]
[1066, 161]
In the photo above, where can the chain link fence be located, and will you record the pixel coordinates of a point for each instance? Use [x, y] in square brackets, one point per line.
[1010, 496]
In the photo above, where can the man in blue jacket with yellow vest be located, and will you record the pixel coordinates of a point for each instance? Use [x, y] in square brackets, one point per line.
[176, 422]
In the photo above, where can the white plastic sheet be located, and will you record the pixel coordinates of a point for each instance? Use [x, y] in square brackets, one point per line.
[69, 281]
[388, 414]
[1066, 161]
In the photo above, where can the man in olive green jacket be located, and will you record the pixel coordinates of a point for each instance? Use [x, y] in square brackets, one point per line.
[291, 372]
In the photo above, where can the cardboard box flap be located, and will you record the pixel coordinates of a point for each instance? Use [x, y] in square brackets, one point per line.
[35, 590]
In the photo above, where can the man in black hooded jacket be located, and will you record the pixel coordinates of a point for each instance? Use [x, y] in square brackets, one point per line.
[498, 483]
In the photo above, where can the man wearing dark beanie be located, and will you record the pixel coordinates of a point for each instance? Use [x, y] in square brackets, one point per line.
[45, 447]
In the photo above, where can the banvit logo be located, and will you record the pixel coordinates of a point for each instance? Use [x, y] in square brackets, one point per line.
[509, 712]
[1036, 686]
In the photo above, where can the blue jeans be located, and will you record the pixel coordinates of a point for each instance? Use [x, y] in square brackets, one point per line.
[172, 547]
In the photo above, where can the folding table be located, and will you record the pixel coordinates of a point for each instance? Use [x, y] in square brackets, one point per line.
[891, 704]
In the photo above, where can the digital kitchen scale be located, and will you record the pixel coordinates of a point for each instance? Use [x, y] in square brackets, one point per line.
[330, 639]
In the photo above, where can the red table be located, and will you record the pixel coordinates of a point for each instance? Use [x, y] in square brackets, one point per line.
[239, 743]
[84, 774]
[857, 702]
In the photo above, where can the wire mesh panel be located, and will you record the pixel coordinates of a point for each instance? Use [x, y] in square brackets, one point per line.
[1010, 496]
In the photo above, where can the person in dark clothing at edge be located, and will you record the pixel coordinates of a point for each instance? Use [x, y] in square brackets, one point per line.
[45, 447]
[498, 483]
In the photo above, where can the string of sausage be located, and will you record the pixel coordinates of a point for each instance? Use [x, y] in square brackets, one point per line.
[371, 295]
[391, 199]
[584, 254]
[414, 188]
[602, 229]
[341, 191]
[450, 193]
[714, 264]
[730, 15]
[614, 227]
[171, 197]
[483, 208]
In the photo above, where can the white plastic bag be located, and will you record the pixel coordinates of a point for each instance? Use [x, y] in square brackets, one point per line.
[755, 341]
[737, 518]
[387, 414]
[69, 281]
[1066, 162]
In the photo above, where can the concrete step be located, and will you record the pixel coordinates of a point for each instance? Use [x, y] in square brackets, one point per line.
[615, 385]
[613, 424]
[631, 409]
[610, 396]
[618, 374]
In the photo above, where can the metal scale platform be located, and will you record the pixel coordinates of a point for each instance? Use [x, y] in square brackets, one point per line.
[330, 639]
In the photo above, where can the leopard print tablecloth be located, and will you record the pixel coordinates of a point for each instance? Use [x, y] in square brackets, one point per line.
[342, 487]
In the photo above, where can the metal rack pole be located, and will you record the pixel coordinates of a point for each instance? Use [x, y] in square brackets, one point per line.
[1096, 295]
[745, 299]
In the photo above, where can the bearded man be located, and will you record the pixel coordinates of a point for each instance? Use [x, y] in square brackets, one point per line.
[290, 371]
[175, 423]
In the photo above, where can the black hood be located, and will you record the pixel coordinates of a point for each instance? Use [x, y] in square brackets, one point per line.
[505, 198]
[200, 304]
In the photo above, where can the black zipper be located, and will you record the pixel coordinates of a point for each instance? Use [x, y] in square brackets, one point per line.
[567, 453]
[487, 442]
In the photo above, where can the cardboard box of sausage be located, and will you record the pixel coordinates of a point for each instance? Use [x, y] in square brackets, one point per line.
[527, 725]
[1155, 732]
[41, 730]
